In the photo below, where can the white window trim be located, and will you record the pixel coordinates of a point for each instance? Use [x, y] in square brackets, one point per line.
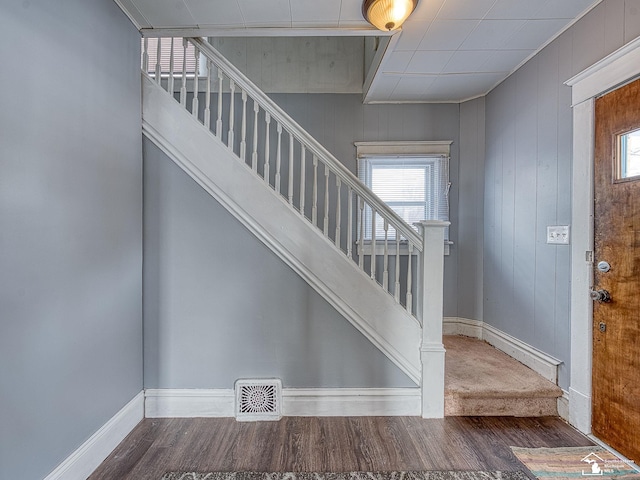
[402, 148]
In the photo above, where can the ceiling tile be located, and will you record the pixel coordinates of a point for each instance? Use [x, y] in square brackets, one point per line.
[411, 36]
[267, 13]
[350, 10]
[313, 11]
[396, 62]
[467, 61]
[513, 9]
[216, 12]
[534, 34]
[428, 62]
[568, 9]
[451, 87]
[166, 13]
[447, 34]
[427, 9]
[491, 34]
[382, 87]
[465, 9]
[505, 60]
[409, 88]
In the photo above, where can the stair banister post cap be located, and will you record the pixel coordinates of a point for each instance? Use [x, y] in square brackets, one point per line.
[432, 223]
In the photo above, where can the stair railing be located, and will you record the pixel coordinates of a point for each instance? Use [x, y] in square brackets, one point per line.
[295, 165]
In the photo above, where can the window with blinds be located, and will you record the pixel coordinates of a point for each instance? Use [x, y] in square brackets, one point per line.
[166, 46]
[415, 185]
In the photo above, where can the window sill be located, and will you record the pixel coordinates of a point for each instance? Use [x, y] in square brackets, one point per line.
[391, 248]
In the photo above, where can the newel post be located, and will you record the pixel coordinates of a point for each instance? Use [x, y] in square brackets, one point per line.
[431, 271]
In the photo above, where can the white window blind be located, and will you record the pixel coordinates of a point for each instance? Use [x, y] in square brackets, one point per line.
[413, 181]
[165, 55]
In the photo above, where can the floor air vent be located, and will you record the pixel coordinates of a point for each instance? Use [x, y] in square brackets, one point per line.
[258, 400]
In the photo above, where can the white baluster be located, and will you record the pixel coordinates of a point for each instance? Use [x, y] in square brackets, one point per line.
[267, 121]
[278, 157]
[338, 211]
[396, 292]
[303, 180]
[290, 186]
[254, 154]
[219, 120]
[314, 197]
[385, 273]
[207, 100]
[232, 104]
[145, 55]
[243, 132]
[171, 69]
[183, 87]
[373, 243]
[326, 201]
[158, 60]
[349, 223]
[196, 76]
[361, 239]
[409, 305]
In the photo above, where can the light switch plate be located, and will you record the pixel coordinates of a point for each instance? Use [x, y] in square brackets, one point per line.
[558, 234]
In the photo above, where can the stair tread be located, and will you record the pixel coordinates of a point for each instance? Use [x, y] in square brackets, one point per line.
[475, 369]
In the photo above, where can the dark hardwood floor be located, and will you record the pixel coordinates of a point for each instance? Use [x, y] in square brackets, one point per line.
[331, 444]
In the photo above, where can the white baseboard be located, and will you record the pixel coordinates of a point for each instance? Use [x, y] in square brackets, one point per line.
[162, 403]
[344, 402]
[335, 402]
[82, 462]
[563, 406]
[538, 361]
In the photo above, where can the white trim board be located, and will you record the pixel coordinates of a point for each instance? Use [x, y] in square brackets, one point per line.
[538, 361]
[614, 70]
[82, 462]
[301, 402]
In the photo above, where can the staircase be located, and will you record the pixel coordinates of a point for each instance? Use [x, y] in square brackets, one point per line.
[301, 202]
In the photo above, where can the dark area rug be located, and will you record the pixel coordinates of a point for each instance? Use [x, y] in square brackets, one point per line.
[427, 475]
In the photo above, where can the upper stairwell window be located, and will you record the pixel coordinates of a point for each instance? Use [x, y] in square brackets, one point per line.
[411, 177]
[172, 54]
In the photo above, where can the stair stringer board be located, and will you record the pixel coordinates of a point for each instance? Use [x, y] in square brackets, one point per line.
[280, 227]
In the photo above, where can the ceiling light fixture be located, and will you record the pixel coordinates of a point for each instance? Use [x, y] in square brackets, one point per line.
[387, 15]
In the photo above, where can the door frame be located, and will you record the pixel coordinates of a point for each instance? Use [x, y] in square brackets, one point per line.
[613, 71]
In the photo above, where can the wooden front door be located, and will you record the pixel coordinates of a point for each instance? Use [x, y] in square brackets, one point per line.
[616, 323]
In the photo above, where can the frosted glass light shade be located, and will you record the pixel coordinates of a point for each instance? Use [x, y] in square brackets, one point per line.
[387, 15]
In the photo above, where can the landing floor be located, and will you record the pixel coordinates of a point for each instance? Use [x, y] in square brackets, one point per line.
[331, 444]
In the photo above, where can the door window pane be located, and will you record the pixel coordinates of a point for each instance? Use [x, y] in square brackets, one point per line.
[628, 157]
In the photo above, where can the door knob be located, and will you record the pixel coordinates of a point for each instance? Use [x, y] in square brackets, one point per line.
[601, 296]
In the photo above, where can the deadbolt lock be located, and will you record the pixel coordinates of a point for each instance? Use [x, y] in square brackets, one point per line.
[601, 296]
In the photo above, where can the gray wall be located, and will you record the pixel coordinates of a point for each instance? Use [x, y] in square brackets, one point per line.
[70, 227]
[219, 305]
[528, 181]
[470, 218]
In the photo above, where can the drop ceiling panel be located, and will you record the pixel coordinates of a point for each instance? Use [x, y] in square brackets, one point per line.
[534, 33]
[568, 9]
[449, 87]
[491, 34]
[313, 11]
[396, 62]
[513, 9]
[216, 12]
[505, 60]
[266, 13]
[464, 61]
[428, 62]
[411, 35]
[132, 10]
[166, 13]
[465, 9]
[447, 34]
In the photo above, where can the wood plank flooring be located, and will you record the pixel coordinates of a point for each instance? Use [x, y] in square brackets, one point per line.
[330, 444]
